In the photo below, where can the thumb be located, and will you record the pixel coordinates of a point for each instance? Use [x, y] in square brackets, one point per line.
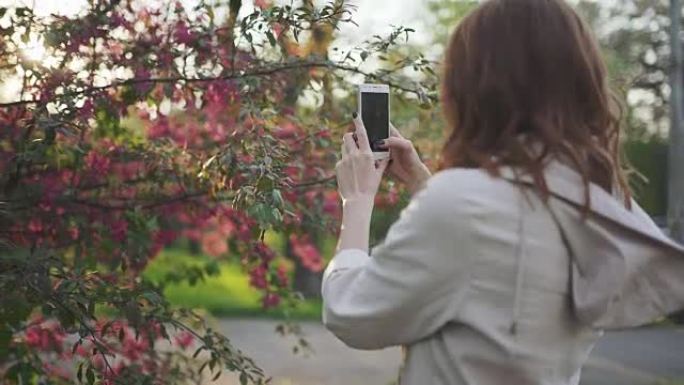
[394, 132]
[397, 143]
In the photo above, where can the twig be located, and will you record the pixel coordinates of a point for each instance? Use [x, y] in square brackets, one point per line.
[257, 72]
[314, 182]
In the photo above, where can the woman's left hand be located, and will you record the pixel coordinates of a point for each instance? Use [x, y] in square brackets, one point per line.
[358, 174]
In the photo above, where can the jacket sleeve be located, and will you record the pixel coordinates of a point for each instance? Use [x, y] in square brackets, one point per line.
[413, 283]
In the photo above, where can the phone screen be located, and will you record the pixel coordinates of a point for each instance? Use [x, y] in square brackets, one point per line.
[375, 115]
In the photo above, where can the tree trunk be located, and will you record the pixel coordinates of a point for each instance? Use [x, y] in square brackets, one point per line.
[676, 170]
[305, 281]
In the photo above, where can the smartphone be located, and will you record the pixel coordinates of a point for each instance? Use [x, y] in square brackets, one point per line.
[374, 108]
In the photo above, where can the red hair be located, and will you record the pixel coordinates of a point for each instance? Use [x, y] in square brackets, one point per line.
[519, 72]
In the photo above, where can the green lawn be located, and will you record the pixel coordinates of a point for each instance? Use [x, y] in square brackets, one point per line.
[226, 294]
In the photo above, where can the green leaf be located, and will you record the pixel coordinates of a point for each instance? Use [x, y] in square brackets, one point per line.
[277, 216]
[132, 312]
[163, 332]
[90, 375]
[216, 377]
[152, 224]
[5, 339]
[153, 297]
[212, 268]
[21, 11]
[66, 318]
[79, 373]
[277, 198]
[15, 308]
[271, 38]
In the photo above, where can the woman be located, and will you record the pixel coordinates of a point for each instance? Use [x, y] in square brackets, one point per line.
[510, 262]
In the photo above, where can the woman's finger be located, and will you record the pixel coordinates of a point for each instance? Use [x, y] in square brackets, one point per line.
[361, 135]
[396, 143]
[349, 144]
[344, 149]
[394, 132]
[381, 165]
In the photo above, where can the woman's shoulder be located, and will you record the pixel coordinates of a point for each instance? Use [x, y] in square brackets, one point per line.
[462, 191]
[460, 183]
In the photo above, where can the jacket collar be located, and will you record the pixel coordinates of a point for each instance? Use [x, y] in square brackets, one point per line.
[566, 184]
[624, 272]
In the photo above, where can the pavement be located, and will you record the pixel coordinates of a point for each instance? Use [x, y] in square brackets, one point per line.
[644, 356]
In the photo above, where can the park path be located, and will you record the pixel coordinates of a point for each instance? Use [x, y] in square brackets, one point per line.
[637, 357]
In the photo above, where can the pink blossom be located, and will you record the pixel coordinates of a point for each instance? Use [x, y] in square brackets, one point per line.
[214, 244]
[270, 300]
[119, 229]
[133, 348]
[45, 205]
[117, 20]
[330, 202]
[33, 337]
[82, 350]
[285, 130]
[73, 232]
[264, 252]
[257, 277]
[142, 87]
[97, 361]
[307, 253]
[66, 176]
[278, 29]
[392, 197]
[193, 234]
[159, 129]
[44, 336]
[263, 4]
[160, 239]
[35, 225]
[282, 276]
[183, 34]
[184, 339]
[97, 163]
[57, 370]
[226, 226]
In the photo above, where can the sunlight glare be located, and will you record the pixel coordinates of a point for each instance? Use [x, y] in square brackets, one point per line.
[34, 50]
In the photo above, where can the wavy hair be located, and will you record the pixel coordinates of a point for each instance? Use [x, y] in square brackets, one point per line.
[524, 81]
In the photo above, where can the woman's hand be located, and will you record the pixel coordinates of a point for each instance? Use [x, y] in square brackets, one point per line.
[405, 164]
[358, 179]
[358, 174]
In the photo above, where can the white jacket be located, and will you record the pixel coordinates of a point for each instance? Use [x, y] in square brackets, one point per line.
[486, 285]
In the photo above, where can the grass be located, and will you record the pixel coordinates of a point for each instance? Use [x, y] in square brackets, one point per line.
[227, 293]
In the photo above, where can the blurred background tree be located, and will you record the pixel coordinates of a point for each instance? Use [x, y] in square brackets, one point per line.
[140, 127]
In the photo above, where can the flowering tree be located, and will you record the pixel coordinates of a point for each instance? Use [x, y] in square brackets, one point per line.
[136, 125]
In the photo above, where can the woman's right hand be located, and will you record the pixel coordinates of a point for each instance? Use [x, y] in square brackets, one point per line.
[405, 164]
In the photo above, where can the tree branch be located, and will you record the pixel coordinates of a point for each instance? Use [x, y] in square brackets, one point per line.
[256, 72]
